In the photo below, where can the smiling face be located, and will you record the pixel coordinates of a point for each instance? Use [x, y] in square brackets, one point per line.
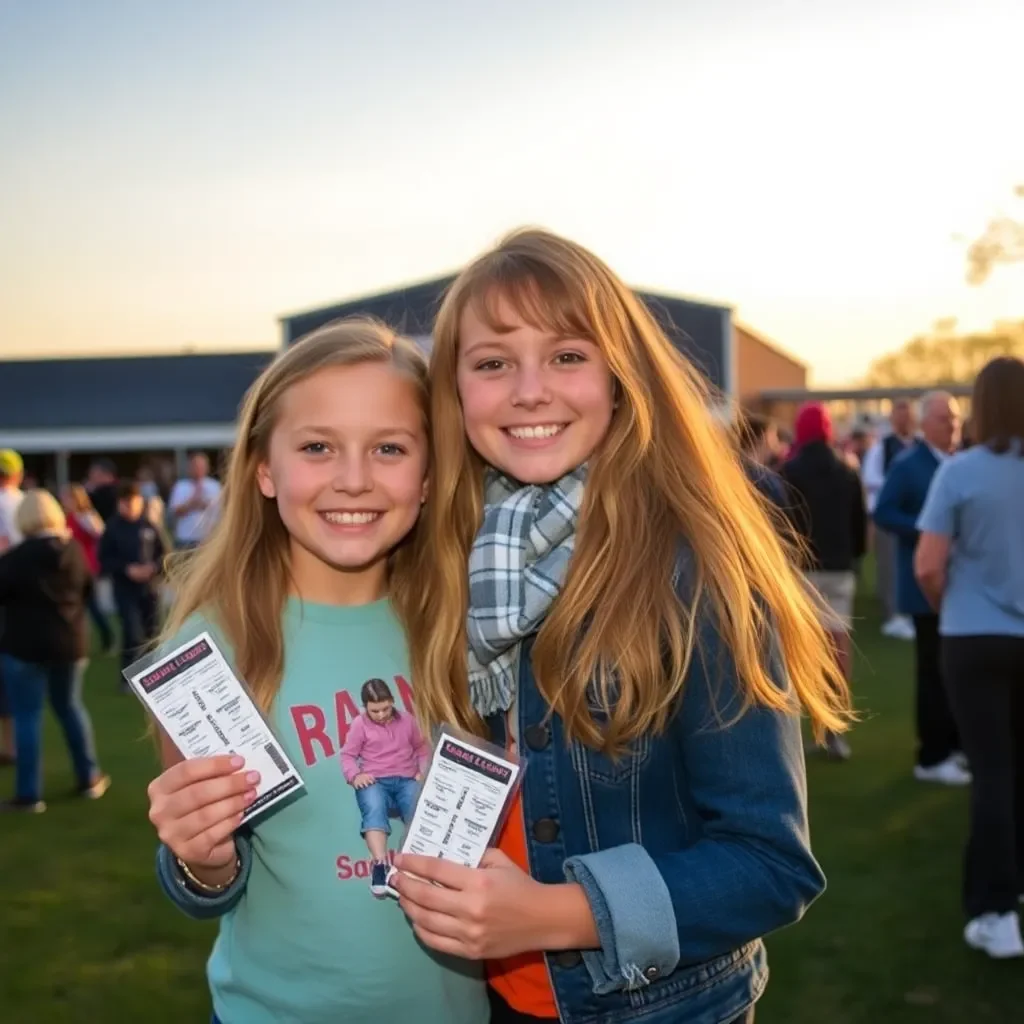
[535, 406]
[346, 465]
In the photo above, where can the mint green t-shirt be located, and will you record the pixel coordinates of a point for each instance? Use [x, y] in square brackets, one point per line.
[308, 943]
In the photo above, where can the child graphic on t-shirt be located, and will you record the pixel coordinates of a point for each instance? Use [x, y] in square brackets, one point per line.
[384, 758]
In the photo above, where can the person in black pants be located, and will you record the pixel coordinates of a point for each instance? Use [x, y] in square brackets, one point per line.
[899, 504]
[131, 554]
[970, 563]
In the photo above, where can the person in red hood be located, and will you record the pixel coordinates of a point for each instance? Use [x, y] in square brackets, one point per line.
[828, 515]
[813, 423]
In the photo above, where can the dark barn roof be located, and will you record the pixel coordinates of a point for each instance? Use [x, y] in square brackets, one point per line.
[409, 310]
[697, 328]
[132, 391]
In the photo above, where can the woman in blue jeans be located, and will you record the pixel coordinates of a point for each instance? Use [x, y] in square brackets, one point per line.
[44, 588]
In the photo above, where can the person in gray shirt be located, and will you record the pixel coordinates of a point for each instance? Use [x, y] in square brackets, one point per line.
[970, 563]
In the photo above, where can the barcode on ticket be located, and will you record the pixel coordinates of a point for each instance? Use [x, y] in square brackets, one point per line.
[275, 755]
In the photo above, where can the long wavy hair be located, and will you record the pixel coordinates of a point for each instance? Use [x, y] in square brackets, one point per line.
[240, 576]
[618, 633]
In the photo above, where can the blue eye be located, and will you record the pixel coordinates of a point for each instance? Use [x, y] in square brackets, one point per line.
[391, 449]
[315, 447]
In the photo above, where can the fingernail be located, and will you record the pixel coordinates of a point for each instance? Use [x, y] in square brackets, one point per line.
[253, 777]
[237, 761]
[250, 795]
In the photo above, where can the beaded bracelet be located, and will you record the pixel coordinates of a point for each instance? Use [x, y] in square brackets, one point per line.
[203, 888]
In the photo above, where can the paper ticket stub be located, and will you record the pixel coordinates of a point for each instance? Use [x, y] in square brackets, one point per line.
[462, 801]
[206, 711]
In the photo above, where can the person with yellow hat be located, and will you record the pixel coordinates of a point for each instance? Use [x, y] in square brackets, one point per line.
[12, 471]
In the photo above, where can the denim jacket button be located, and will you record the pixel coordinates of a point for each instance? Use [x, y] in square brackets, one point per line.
[651, 973]
[545, 830]
[568, 959]
[537, 736]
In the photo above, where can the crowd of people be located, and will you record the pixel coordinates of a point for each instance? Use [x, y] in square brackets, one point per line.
[944, 514]
[57, 557]
[543, 538]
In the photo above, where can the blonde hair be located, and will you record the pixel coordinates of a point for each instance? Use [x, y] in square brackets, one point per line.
[79, 498]
[40, 512]
[665, 473]
[240, 576]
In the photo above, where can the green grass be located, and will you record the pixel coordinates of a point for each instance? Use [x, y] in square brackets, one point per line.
[87, 937]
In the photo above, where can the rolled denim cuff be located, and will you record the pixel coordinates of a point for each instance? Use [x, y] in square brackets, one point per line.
[635, 919]
[202, 908]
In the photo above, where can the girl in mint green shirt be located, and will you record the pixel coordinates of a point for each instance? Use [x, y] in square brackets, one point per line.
[308, 584]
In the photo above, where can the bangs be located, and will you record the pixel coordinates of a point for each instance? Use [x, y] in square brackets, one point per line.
[535, 292]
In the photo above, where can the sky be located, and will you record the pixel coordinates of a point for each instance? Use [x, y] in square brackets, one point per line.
[179, 176]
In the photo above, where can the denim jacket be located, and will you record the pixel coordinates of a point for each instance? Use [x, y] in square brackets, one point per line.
[690, 849]
[203, 908]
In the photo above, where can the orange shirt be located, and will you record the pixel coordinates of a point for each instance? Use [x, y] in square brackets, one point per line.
[522, 980]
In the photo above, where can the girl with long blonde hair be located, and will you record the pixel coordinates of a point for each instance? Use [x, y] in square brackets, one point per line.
[609, 596]
[307, 584]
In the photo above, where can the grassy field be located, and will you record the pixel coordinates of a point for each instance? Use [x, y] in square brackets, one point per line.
[87, 937]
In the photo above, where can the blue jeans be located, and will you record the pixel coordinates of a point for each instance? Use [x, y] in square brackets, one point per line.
[27, 687]
[387, 796]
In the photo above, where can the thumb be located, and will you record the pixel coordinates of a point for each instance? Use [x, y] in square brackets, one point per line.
[494, 858]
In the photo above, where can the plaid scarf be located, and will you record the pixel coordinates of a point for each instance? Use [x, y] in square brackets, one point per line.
[516, 569]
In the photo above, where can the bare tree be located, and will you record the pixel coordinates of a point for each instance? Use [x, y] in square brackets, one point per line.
[1002, 241]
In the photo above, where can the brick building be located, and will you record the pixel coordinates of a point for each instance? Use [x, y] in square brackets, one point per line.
[762, 366]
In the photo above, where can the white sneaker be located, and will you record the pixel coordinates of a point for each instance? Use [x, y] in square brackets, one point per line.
[996, 934]
[899, 627]
[947, 773]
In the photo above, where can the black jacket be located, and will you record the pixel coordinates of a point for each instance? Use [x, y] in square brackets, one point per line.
[104, 500]
[44, 585]
[826, 507]
[130, 542]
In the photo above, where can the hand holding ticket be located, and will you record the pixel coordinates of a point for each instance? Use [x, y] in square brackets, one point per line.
[197, 805]
[206, 711]
[463, 800]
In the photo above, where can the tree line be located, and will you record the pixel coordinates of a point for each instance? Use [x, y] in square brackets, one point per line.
[945, 355]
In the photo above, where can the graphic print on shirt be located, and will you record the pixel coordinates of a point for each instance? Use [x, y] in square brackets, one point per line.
[383, 758]
[307, 941]
[382, 755]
